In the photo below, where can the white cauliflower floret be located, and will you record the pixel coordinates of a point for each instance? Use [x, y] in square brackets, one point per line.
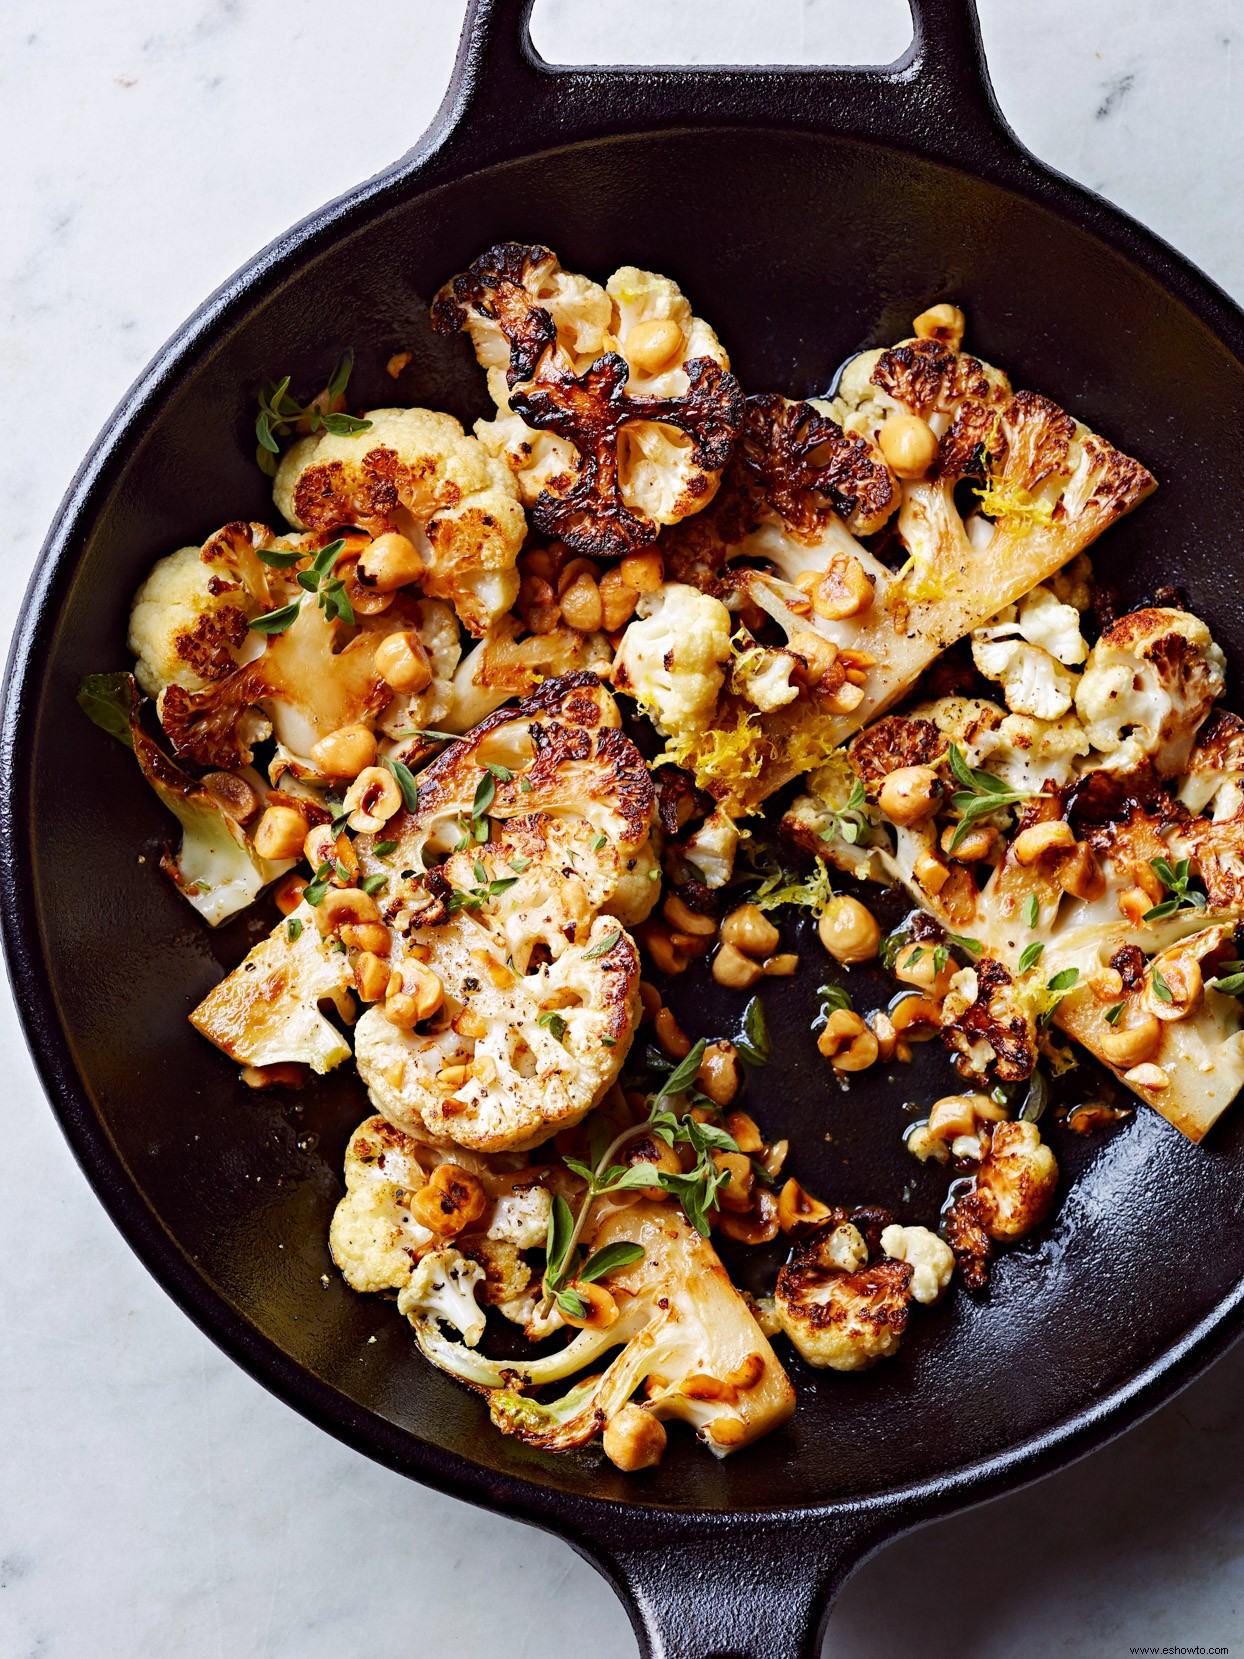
[761, 675]
[538, 983]
[522, 1218]
[1025, 753]
[267, 1011]
[1033, 682]
[182, 617]
[581, 389]
[373, 1237]
[442, 1287]
[642, 297]
[416, 471]
[1150, 681]
[711, 847]
[930, 1258]
[672, 659]
[839, 1311]
[1045, 620]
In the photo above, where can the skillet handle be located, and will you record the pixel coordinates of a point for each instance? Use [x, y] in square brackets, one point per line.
[738, 1591]
[505, 99]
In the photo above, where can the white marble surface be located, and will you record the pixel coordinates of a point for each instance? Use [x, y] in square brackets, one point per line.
[153, 1500]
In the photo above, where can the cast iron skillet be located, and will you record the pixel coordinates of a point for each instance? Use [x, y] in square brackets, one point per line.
[808, 212]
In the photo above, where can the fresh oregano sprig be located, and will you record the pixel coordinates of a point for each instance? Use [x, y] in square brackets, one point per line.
[280, 412]
[980, 796]
[318, 578]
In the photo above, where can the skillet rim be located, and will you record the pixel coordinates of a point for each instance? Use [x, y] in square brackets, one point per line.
[1008, 167]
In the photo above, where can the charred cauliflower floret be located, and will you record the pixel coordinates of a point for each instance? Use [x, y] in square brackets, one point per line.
[190, 622]
[672, 658]
[269, 1011]
[615, 408]
[374, 1237]
[511, 951]
[839, 1310]
[1012, 1193]
[1150, 681]
[988, 1025]
[416, 472]
[686, 1338]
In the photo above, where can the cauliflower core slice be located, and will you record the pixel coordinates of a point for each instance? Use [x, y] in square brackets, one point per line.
[216, 869]
[615, 410]
[1048, 488]
[520, 925]
[672, 659]
[687, 1338]
[268, 1010]
[516, 1056]
[416, 471]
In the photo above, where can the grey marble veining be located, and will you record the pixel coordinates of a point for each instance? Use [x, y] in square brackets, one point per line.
[153, 1499]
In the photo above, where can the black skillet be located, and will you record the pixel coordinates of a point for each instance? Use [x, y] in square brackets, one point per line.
[808, 212]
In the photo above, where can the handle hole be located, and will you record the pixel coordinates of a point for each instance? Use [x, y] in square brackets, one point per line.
[705, 31]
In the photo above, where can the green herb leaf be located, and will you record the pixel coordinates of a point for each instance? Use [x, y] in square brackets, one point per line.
[293, 929]
[557, 1241]
[1030, 956]
[940, 958]
[485, 794]
[520, 864]
[1063, 981]
[553, 1023]
[1161, 989]
[608, 1260]
[382, 849]
[974, 946]
[571, 1303]
[525, 785]
[279, 558]
[276, 622]
[405, 782]
[600, 843]
[315, 889]
[605, 945]
[1115, 1014]
[1231, 985]
[1032, 909]
[501, 773]
[373, 884]
[832, 998]
[109, 700]
[1168, 907]
[754, 1045]
[683, 1075]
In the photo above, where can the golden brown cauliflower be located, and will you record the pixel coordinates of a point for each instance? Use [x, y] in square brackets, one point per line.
[1012, 1193]
[416, 471]
[837, 1309]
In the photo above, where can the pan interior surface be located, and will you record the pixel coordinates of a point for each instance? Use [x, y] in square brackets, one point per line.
[799, 250]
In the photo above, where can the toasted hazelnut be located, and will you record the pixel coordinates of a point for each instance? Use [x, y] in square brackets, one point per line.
[601, 1311]
[651, 345]
[634, 1439]
[846, 1042]
[930, 872]
[798, 1211]
[371, 976]
[670, 1035]
[977, 843]
[280, 833]
[390, 562]
[910, 794]
[449, 1201]
[843, 590]
[345, 752]
[233, 795]
[746, 1132]
[644, 571]
[942, 322]
[909, 445]
[1052, 838]
[749, 930]
[1147, 1077]
[372, 799]
[1081, 874]
[1185, 989]
[345, 904]
[731, 968]
[683, 919]
[736, 1191]
[581, 605]
[402, 662]
[288, 893]
[719, 1073]
[782, 966]
[1128, 1045]
[849, 930]
[918, 964]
